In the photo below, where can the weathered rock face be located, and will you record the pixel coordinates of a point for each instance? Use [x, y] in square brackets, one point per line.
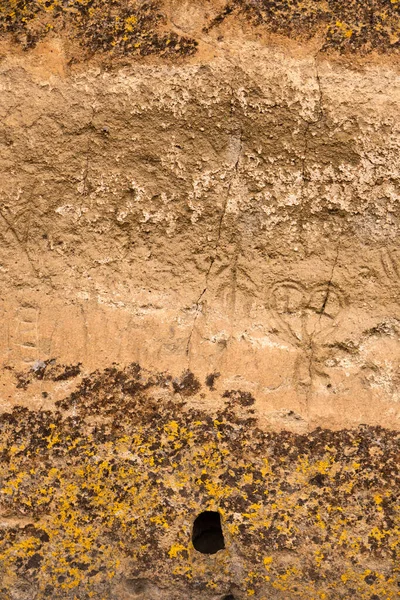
[200, 280]
[101, 496]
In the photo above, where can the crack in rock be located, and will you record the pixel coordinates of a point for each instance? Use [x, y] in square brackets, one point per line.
[234, 170]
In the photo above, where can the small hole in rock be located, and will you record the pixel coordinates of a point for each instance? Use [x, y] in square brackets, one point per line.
[207, 534]
[229, 597]
[136, 586]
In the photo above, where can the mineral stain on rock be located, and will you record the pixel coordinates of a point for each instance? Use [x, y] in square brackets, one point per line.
[109, 495]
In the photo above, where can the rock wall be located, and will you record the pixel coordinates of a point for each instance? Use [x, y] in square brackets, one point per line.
[199, 220]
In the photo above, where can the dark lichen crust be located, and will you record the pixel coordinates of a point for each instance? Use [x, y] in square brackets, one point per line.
[346, 26]
[100, 495]
[122, 27]
[116, 26]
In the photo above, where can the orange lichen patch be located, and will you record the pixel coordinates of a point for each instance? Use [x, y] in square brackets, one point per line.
[351, 26]
[118, 27]
[132, 27]
[115, 490]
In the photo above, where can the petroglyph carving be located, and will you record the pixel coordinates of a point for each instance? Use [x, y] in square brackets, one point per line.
[27, 333]
[306, 314]
[390, 266]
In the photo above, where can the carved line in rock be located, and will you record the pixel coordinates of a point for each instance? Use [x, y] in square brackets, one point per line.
[307, 315]
[27, 333]
[390, 266]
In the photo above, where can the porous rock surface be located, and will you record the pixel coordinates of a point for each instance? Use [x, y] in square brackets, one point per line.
[200, 275]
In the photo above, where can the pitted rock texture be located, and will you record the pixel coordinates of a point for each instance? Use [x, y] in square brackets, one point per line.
[209, 190]
[98, 499]
[125, 27]
[236, 215]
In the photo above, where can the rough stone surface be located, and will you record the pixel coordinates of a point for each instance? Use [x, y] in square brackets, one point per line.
[150, 27]
[99, 498]
[200, 275]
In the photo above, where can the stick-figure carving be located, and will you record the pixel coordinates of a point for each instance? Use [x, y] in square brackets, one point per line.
[307, 315]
